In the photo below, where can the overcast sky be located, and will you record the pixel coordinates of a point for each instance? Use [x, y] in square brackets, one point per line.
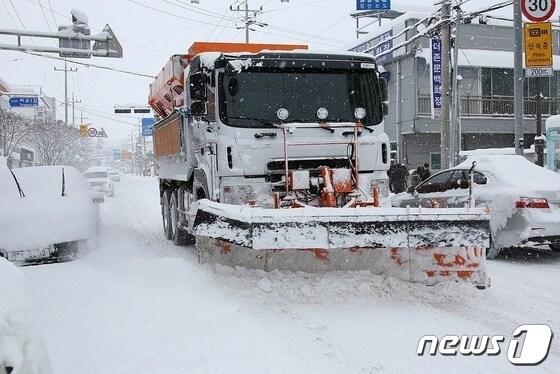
[152, 30]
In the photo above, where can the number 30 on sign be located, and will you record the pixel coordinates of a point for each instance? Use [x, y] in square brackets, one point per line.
[538, 10]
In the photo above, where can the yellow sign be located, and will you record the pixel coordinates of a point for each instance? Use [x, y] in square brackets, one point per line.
[126, 155]
[538, 44]
[83, 131]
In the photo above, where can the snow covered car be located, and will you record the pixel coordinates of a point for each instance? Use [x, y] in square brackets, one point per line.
[115, 175]
[21, 351]
[47, 214]
[99, 181]
[523, 199]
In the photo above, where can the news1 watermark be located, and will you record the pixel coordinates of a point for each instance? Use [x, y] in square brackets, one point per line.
[528, 346]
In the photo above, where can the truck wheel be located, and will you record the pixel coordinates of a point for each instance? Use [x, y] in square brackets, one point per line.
[166, 214]
[180, 237]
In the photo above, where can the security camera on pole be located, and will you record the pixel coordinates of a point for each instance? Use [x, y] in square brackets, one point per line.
[538, 47]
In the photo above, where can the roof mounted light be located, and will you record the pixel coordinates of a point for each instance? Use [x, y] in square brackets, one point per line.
[360, 113]
[282, 114]
[322, 114]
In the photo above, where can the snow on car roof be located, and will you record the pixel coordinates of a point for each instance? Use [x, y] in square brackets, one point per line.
[97, 169]
[44, 216]
[514, 171]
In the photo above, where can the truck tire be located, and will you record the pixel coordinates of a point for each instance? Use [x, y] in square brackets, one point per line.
[180, 237]
[166, 214]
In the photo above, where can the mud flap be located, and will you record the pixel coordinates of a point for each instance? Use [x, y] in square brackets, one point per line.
[417, 245]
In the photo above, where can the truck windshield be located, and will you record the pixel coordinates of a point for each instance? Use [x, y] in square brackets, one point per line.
[252, 98]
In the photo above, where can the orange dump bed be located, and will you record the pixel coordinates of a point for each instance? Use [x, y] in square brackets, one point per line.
[166, 91]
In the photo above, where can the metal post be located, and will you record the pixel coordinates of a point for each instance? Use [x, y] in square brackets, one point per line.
[518, 75]
[445, 84]
[247, 21]
[65, 92]
[539, 143]
[453, 147]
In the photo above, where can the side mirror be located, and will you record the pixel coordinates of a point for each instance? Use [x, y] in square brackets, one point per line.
[383, 88]
[411, 190]
[198, 84]
[199, 108]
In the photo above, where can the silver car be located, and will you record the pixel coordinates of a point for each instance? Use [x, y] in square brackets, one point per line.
[523, 199]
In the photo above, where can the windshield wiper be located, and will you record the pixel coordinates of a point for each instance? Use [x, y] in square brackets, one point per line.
[21, 193]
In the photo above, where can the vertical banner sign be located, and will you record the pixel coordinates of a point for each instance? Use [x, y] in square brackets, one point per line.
[373, 4]
[147, 126]
[435, 73]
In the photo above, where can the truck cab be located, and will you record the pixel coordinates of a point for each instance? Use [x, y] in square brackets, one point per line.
[260, 128]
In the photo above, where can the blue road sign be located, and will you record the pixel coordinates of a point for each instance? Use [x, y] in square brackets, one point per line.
[24, 101]
[373, 4]
[147, 126]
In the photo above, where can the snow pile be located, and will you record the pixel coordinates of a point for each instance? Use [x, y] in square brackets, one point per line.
[19, 348]
[44, 217]
[284, 287]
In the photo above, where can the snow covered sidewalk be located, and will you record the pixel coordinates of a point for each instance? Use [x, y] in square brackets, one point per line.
[138, 304]
[20, 347]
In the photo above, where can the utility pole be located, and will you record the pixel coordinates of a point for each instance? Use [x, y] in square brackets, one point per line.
[445, 83]
[518, 76]
[66, 70]
[73, 109]
[454, 143]
[246, 19]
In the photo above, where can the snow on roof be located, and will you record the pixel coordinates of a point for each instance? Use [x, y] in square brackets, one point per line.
[385, 27]
[553, 122]
[484, 58]
[514, 171]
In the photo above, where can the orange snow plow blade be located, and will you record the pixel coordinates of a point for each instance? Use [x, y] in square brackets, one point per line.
[417, 245]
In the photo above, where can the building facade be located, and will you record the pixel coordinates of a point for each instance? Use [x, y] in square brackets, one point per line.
[485, 86]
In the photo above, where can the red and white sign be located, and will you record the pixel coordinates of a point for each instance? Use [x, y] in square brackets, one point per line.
[538, 10]
[92, 132]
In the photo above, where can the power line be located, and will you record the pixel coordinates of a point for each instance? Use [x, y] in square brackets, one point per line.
[90, 65]
[45, 16]
[52, 12]
[17, 14]
[172, 14]
[96, 29]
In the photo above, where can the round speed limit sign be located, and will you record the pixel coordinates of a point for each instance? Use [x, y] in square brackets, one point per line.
[92, 132]
[538, 10]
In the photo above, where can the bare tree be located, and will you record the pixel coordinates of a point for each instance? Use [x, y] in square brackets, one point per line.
[55, 143]
[13, 130]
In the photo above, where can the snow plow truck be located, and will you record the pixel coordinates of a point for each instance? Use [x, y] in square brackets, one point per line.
[275, 157]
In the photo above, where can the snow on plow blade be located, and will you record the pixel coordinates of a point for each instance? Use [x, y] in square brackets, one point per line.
[417, 244]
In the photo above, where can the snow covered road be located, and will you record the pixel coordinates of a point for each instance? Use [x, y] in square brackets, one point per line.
[138, 304]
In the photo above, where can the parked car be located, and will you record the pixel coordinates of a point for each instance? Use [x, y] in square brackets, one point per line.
[523, 199]
[99, 180]
[21, 348]
[47, 214]
[115, 175]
